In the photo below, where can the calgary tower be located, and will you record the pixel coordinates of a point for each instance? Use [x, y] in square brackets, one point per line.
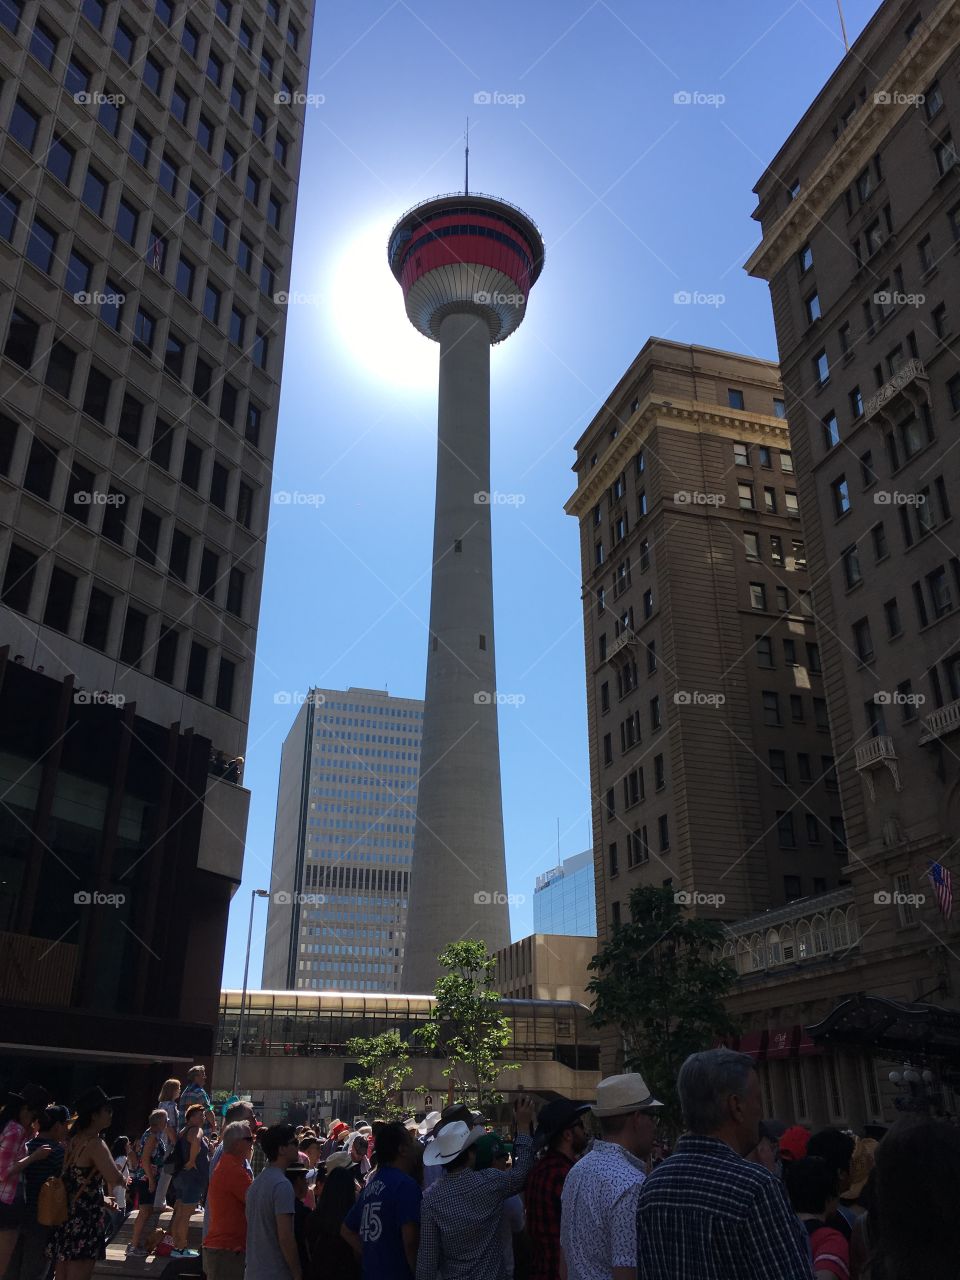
[466, 264]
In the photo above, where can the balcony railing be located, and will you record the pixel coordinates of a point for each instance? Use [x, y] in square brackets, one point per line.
[941, 722]
[911, 382]
[877, 753]
[621, 642]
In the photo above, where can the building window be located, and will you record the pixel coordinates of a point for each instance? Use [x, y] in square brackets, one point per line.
[851, 566]
[831, 431]
[41, 245]
[734, 398]
[612, 861]
[778, 766]
[771, 708]
[745, 496]
[195, 204]
[821, 367]
[805, 258]
[946, 154]
[786, 837]
[663, 832]
[862, 640]
[811, 305]
[41, 468]
[764, 648]
[21, 339]
[758, 595]
[77, 277]
[840, 492]
[18, 579]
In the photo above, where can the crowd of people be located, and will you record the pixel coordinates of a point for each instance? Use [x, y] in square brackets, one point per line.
[737, 1197]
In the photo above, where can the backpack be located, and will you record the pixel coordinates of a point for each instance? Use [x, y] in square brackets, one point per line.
[53, 1208]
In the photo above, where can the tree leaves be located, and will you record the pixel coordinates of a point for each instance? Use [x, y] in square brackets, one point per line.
[660, 981]
[385, 1059]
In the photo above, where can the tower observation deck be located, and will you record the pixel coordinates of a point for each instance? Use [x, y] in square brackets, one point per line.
[466, 264]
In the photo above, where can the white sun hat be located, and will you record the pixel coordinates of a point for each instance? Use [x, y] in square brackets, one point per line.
[451, 1142]
[619, 1095]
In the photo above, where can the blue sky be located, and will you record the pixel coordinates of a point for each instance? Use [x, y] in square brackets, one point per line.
[638, 197]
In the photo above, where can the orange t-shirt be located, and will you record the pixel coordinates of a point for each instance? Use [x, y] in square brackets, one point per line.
[226, 1200]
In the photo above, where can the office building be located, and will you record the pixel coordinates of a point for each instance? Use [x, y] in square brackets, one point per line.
[860, 218]
[344, 843]
[546, 966]
[565, 899]
[710, 758]
[148, 183]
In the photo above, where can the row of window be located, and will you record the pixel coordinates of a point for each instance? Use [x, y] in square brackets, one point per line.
[813, 827]
[743, 454]
[796, 559]
[747, 499]
[98, 402]
[638, 846]
[784, 600]
[772, 716]
[85, 489]
[932, 599]
[791, 658]
[161, 658]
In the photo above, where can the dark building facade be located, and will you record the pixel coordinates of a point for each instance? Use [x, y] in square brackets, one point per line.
[860, 213]
[148, 182]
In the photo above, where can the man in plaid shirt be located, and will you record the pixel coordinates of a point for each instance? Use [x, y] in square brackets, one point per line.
[560, 1129]
[460, 1215]
[706, 1213]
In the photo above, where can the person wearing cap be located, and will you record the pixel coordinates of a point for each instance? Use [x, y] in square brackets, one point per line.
[561, 1138]
[492, 1152]
[270, 1206]
[708, 1213]
[88, 1169]
[336, 1132]
[835, 1148]
[29, 1261]
[16, 1119]
[461, 1213]
[599, 1200]
[383, 1227]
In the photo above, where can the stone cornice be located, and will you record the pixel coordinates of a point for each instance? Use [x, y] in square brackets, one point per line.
[910, 74]
[652, 412]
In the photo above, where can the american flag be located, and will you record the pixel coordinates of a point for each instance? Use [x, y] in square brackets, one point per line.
[943, 887]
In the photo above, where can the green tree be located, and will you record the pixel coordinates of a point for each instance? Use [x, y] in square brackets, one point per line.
[661, 982]
[467, 1024]
[385, 1062]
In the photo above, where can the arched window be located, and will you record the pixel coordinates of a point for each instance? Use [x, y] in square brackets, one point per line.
[758, 959]
[821, 944]
[786, 942]
[804, 942]
[744, 963]
[838, 930]
[774, 954]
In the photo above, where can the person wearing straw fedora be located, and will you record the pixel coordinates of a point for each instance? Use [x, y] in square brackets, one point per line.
[598, 1232]
[461, 1213]
[708, 1213]
[562, 1139]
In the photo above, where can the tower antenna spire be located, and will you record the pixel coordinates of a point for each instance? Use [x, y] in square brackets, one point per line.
[843, 26]
[466, 160]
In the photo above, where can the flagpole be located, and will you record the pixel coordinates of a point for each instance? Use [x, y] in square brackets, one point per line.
[843, 25]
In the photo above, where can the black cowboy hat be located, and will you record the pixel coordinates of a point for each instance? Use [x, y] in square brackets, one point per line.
[556, 1116]
[94, 1098]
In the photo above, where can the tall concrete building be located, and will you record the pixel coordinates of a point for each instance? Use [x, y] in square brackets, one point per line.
[710, 758]
[148, 183]
[344, 843]
[466, 264]
[565, 898]
[860, 214]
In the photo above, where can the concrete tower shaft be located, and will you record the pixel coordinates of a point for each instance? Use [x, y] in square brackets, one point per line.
[466, 265]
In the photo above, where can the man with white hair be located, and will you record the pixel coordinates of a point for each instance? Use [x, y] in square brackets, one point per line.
[708, 1213]
[225, 1241]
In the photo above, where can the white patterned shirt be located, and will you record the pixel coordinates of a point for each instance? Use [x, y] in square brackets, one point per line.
[598, 1220]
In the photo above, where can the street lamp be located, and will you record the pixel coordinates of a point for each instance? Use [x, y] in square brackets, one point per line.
[254, 895]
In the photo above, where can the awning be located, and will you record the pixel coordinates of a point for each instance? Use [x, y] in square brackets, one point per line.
[891, 1027]
[754, 1043]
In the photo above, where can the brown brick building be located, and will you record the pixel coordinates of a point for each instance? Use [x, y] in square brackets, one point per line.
[709, 743]
[860, 213]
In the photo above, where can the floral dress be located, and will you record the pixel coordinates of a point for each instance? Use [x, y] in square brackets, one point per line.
[82, 1235]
